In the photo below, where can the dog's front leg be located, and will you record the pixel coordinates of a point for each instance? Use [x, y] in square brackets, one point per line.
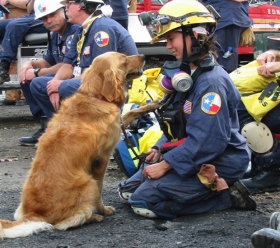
[107, 210]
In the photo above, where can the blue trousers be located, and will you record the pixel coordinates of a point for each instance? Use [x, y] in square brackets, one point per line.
[12, 32]
[176, 195]
[228, 38]
[38, 88]
[32, 103]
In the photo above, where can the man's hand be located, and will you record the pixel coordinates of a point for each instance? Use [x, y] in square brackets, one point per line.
[155, 171]
[269, 69]
[52, 86]
[54, 98]
[268, 56]
[29, 75]
[153, 156]
[23, 71]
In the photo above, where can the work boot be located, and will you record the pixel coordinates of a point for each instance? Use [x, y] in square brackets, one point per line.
[265, 238]
[265, 180]
[274, 221]
[240, 197]
[4, 71]
[33, 139]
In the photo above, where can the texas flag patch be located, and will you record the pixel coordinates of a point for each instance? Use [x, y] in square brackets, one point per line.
[101, 38]
[211, 103]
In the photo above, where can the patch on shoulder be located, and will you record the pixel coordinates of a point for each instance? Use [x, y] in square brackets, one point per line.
[101, 38]
[68, 41]
[211, 103]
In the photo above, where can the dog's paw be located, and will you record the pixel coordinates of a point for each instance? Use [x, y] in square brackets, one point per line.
[96, 218]
[109, 210]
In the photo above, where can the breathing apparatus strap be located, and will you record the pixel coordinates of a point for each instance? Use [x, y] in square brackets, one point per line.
[185, 65]
[195, 49]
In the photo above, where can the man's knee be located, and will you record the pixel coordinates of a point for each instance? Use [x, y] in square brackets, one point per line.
[68, 88]
[258, 136]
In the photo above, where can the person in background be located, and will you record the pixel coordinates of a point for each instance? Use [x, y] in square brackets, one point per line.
[54, 18]
[98, 34]
[265, 163]
[231, 26]
[12, 32]
[120, 11]
[175, 182]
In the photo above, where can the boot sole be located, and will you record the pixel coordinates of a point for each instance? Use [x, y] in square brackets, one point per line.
[242, 189]
[28, 144]
[266, 237]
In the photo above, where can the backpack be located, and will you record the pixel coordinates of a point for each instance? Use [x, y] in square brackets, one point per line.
[126, 153]
[146, 87]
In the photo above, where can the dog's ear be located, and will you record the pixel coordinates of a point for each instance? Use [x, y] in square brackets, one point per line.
[111, 85]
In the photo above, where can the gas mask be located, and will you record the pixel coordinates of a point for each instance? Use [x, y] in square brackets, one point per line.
[180, 81]
[174, 79]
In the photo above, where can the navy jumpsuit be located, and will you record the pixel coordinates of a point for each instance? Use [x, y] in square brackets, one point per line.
[212, 138]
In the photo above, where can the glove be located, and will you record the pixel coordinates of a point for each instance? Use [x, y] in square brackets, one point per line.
[247, 37]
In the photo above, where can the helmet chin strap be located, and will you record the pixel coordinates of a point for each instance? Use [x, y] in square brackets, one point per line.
[185, 65]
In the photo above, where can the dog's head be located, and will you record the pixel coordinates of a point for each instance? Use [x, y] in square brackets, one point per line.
[108, 73]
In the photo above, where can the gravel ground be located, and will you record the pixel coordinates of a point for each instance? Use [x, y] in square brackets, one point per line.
[229, 228]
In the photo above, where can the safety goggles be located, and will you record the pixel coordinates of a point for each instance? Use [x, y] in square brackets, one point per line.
[67, 5]
[161, 24]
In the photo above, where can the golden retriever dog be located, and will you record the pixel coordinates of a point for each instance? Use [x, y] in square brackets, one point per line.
[64, 185]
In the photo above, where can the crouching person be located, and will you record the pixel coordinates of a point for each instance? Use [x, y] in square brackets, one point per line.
[201, 173]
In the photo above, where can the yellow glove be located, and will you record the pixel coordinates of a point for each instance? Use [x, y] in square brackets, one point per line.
[247, 37]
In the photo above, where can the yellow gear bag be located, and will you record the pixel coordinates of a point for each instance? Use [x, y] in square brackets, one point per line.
[146, 87]
[259, 94]
[247, 80]
[150, 138]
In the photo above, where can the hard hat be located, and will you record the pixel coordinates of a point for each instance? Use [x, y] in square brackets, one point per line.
[178, 13]
[43, 8]
[84, 2]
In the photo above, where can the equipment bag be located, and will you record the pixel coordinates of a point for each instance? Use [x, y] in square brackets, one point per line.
[259, 94]
[146, 87]
[126, 154]
[247, 80]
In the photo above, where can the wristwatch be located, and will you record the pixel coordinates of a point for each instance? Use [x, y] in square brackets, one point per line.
[36, 71]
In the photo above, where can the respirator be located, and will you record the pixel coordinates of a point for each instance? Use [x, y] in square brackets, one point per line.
[174, 79]
[180, 81]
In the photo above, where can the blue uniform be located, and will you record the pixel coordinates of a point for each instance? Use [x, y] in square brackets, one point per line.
[120, 11]
[12, 32]
[212, 138]
[234, 20]
[55, 54]
[103, 35]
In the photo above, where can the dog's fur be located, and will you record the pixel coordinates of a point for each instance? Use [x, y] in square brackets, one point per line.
[137, 113]
[64, 185]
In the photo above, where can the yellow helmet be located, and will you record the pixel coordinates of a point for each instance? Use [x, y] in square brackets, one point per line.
[178, 13]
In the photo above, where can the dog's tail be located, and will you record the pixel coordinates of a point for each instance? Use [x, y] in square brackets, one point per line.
[22, 228]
